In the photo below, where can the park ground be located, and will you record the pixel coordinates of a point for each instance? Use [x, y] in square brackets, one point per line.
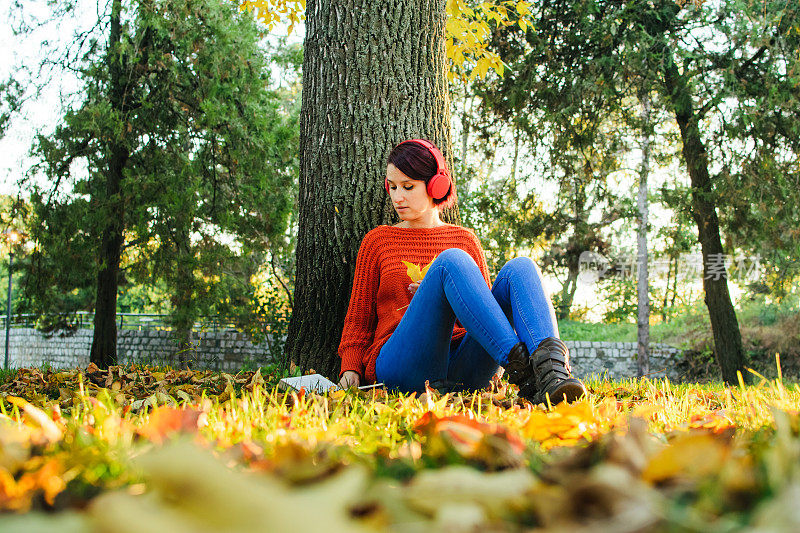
[144, 449]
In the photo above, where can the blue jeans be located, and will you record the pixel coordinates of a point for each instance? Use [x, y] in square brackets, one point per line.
[516, 309]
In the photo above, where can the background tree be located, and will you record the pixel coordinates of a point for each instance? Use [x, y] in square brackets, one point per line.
[568, 115]
[671, 49]
[585, 209]
[759, 143]
[507, 225]
[696, 82]
[492, 189]
[10, 95]
[642, 255]
[15, 215]
[676, 242]
[177, 156]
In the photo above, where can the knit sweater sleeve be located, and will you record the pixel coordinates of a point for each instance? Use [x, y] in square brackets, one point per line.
[359, 323]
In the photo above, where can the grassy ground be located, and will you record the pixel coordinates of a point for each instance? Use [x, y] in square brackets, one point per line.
[690, 330]
[137, 449]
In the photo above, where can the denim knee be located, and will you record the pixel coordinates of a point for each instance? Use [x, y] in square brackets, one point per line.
[454, 257]
[520, 264]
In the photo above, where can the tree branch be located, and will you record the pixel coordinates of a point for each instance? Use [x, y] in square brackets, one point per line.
[275, 273]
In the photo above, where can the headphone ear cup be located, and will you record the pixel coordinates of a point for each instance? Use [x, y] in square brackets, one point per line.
[438, 186]
[386, 184]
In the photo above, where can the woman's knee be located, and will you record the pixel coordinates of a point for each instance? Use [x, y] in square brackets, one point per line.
[521, 264]
[454, 257]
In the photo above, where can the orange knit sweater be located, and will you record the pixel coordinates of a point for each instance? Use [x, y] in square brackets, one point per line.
[380, 293]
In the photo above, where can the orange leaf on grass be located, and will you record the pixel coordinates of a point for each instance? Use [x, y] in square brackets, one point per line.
[15, 446]
[165, 422]
[717, 421]
[48, 479]
[50, 430]
[493, 445]
[565, 424]
[17, 495]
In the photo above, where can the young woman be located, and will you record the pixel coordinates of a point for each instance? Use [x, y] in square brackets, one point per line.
[455, 326]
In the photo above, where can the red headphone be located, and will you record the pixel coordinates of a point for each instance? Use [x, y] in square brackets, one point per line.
[439, 184]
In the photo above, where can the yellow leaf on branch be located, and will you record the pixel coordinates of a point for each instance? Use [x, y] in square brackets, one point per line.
[467, 29]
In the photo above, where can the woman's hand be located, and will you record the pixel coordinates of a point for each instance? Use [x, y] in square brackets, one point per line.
[413, 288]
[349, 379]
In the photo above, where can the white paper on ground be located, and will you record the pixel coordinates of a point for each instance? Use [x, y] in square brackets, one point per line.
[314, 383]
[311, 382]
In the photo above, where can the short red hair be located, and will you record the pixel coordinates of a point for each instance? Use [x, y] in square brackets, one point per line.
[418, 163]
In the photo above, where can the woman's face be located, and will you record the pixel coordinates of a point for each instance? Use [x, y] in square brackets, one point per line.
[409, 197]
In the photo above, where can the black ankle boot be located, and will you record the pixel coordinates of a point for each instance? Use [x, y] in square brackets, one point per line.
[519, 370]
[553, 378]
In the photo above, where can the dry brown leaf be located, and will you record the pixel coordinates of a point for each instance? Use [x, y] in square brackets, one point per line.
[607, 498]
[194, 491]
[496, 493]
[632, 449]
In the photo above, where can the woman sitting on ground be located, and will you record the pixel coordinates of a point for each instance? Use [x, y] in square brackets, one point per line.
[403, 333]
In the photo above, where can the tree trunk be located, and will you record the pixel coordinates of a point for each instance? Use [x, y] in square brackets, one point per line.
[724, 324]
[675, 283]
[104, 341]
[576, 245]
[184, 313]
[373, 75]
[642, 287]
[664, 317]
[515, 161]
[568, 289]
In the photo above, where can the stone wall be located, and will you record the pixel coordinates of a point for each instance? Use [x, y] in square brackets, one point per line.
[27, 347]
[229, 350]
[617, 360]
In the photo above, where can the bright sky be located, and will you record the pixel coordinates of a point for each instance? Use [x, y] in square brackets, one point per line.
[38, 113]
[42, 114]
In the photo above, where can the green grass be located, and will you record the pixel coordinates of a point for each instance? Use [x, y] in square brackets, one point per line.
[5, 375]
[678, 332]
[209, 452]
[596, 332]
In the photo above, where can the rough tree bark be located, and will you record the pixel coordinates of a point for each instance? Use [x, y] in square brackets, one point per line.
[724, 324]
[104, 341]
[373, 75]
